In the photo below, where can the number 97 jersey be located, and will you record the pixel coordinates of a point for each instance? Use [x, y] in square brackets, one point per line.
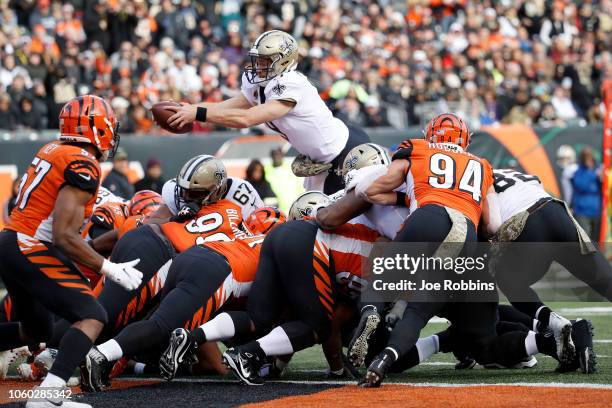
[55, 165]
[444, 174]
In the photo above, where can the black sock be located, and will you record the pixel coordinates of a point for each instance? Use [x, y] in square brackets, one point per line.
[141, 336]
[9, 336]
[407, 361]
[544, 317]
[72, 350]
[198, 335]
[254, 348]
[546, 344]
[445, 341]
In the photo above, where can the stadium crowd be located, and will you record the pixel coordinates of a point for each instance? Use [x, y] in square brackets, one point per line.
[377, 63]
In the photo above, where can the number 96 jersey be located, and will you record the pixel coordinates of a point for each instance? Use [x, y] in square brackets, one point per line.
[55, 165]
[444, 174]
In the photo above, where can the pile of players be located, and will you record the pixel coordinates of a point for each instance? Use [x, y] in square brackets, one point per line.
[206, 262]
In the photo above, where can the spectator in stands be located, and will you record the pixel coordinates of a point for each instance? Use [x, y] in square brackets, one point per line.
[153, 179]
[586, 196]
[256, 175]
[417, 58]
[375, 116]
[117, 180]
[27, 117]
[7, 117]
[285, 185]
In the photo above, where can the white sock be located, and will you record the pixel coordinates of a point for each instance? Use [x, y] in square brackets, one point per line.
[52, 380]
[427, 347]
[276, 343]
[530, 344]
[111, 350]
[139, 368]
[220, 328]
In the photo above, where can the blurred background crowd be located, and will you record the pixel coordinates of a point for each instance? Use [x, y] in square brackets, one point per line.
[377, 63]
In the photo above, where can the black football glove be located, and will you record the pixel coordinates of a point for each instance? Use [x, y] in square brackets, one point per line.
[187, 212]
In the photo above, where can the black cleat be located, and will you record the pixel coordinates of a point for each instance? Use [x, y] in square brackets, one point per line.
[465, 363]
[95, 371]
[585, 358]
[182, 349]
[376, 371]
[358, 347]
[244, 365]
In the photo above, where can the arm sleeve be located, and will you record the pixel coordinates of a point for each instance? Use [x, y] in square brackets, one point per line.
[83, 173]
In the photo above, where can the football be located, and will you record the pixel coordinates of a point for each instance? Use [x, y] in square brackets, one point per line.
[161, 113]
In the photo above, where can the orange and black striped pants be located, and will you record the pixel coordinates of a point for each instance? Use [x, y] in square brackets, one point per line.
[42, 281]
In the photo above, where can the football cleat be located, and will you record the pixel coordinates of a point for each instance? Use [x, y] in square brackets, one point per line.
[376, 371]
[465, 363]
[562, 330]
[244, 365]
[527, 362]
[118, 368]
[182, 349]
[11, 357]
[585, 358]
[358, 347]
[54, 402]
[95, 371]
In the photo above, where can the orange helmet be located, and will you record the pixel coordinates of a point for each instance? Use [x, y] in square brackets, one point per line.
[262, 220]
[145, 202]
[90, 119]
[448, 128]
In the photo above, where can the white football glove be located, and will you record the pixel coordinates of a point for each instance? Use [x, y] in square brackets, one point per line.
[364, 178]
[123, 274]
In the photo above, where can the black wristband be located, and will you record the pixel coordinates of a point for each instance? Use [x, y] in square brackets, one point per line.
[400, 199]
[201, 114]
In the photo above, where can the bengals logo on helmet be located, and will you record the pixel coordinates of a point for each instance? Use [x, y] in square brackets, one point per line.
[262, 220]
[448, 128]
[145, 202]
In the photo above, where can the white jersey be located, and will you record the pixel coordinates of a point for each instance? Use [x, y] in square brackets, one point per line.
[105, 196]
[387, 220]
[310, 126]
[516, 191]
[238, 191]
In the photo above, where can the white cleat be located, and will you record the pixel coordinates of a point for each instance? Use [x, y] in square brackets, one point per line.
[54, 402]
[10, 357]
[562, 330]
[38, 369]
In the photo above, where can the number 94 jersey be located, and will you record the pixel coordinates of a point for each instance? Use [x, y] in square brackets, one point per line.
[444, 174]
[55, 165]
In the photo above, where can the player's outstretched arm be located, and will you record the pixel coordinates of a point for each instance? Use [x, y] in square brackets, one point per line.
[68, 216]
[232, 117]
[342, 211]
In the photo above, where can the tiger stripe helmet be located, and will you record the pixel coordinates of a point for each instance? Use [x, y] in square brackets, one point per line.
[90, 119]
[262, 220]
[145, 202]
[448, 128]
